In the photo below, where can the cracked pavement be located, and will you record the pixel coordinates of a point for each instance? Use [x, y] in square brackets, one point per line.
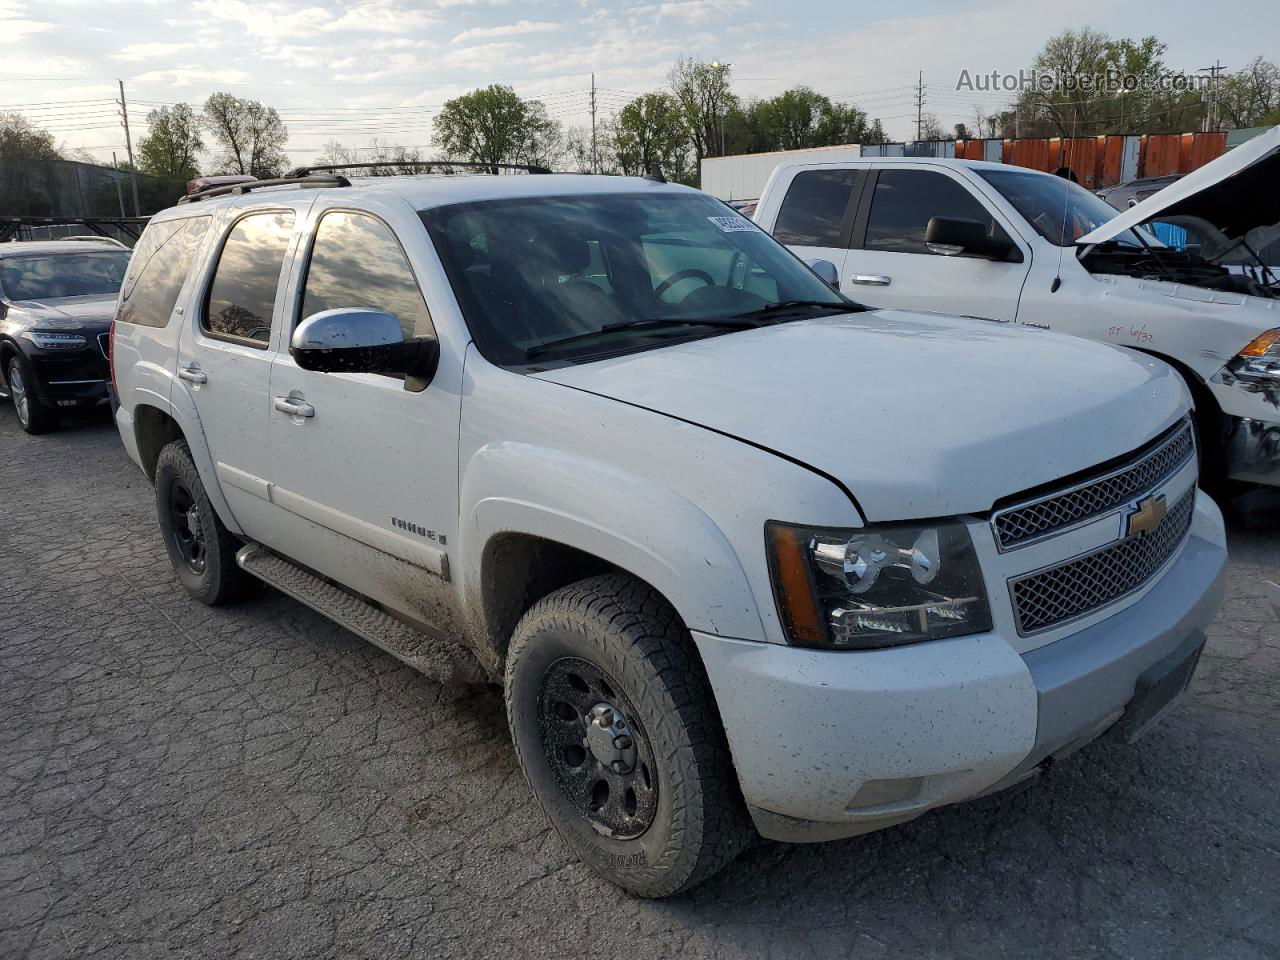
[253, 781]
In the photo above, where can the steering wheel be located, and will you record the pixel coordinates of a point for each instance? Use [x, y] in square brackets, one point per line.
[692, 274]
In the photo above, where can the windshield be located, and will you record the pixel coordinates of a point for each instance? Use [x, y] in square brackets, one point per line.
[57, 275]
[1061, 211]
[532, 272]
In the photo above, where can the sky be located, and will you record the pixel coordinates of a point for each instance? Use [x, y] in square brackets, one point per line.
[381, 68]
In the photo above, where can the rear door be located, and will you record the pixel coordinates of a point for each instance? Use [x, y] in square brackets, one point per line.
[816, 216]
[890, 265]
[367, 480]
[224, 359]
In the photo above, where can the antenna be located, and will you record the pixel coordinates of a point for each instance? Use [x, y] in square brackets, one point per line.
[1066, 205]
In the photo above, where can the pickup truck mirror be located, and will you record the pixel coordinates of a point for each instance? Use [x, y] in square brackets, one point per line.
[826, 271]
[954, 236]
[355, 340]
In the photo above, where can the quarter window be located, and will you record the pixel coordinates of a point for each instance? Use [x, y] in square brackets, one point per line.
[158, 269]
[357, 262]
[904, 202]
[813, 210]
[242, 296]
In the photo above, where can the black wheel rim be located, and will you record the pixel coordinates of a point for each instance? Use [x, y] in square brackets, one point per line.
[188, 529]
[597, 749]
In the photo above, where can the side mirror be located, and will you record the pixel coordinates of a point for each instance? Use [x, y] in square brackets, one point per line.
[353, 340]
[826, 271]
[954, 236]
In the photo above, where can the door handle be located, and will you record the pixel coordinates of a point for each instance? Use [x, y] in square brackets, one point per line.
[294, 406]
[870, 280]
[193, 374]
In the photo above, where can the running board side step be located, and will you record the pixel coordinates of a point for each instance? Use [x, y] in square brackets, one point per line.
[443, 660]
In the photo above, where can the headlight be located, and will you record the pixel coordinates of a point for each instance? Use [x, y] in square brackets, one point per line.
[881, 586]
[1260, 358]
[54, 341]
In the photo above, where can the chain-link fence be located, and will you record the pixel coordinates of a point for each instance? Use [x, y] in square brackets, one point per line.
[68, 188]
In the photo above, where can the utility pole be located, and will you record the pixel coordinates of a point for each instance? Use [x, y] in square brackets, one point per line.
[920, 106]
[1211, 119]
[595, 157]
[128, 144]
[119, 193]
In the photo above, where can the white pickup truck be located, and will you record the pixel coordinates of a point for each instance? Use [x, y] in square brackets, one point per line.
[746, 556]
[1016, 246]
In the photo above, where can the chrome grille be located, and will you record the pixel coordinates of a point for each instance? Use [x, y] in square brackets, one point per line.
[1049, 597]
[1028, 522]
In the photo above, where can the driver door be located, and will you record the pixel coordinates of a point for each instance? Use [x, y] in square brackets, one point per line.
[891, 266]
[367, 474]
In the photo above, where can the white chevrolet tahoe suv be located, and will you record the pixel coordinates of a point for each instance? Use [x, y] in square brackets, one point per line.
[747, 557]
[1011, 245]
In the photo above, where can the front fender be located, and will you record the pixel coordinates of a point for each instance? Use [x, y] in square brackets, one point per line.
[629, 521]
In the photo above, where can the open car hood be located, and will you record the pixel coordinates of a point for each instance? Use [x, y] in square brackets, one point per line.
[1235, 193]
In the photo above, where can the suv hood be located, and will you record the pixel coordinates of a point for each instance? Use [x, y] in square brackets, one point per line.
[66, 313]
[918, 415]
[1235, 193]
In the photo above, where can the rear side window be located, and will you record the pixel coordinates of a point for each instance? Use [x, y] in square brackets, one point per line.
[242, 297]
[159, 267]
[905, 201]
[357, 262]
[813, 211]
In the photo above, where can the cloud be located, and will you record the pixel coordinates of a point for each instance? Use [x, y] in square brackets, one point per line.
[192, 77]
[137, 52]
[700, 11]
[269, 20]
[382, 16]
[506, 30]
[15, 31]
[483, 56]
[15, 26]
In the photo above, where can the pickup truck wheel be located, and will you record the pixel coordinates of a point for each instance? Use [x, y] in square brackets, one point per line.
[618, 734]
[201, 549]
[33, 416]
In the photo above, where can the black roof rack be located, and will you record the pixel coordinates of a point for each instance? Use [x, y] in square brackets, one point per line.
[402, 164]
[236, 189]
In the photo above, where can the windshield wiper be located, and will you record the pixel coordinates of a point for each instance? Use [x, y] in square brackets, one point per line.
[731, 323]
[782, 306]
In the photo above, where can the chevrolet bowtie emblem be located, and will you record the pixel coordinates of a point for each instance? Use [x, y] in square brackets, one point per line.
[1146, 516]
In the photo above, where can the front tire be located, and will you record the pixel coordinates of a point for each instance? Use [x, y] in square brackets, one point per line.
[33, 416]
[201, 549]
[618, 734]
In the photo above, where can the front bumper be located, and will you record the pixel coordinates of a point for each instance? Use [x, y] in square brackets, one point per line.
[70, 378]
[833, 744]
[1252, 450]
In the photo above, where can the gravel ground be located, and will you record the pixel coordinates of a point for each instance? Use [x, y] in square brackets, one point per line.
[183, 782]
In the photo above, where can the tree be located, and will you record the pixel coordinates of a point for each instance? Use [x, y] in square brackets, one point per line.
[494, 125]
[1121, 90]
[1250, 96]
[172, 145]
[650, 132]
[379, 150]
[250, 135]
[702, 91]
[27, 169]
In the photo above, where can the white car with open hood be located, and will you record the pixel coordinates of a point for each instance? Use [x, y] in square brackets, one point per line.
[747, 557]
[1017, 246]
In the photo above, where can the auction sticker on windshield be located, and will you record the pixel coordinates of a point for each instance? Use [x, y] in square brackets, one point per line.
[733, 224]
